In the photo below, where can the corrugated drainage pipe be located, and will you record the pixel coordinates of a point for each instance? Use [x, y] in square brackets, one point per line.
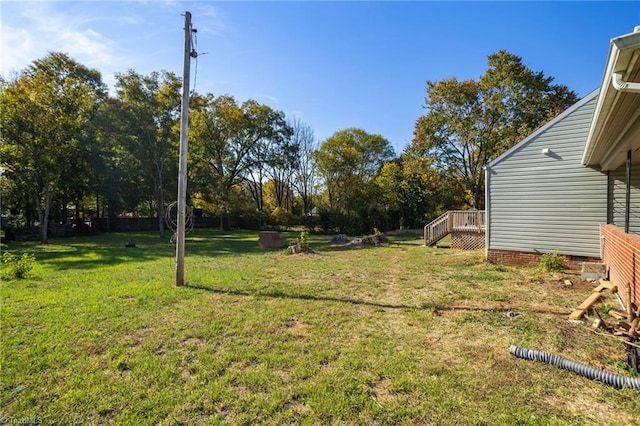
[592, 373]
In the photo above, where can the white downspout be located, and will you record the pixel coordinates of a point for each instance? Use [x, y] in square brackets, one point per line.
[623, 86]
[617, 78]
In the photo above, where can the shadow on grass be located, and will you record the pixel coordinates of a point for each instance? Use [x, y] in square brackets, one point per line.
[348, 247]
[89, 252]
[277, 294]
[345, 247]
[433, 307]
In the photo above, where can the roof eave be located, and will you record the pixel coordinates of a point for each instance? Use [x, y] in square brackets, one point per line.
[620, 56]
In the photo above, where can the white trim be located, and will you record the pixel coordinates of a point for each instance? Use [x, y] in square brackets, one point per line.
[620, 55]
[487, 210]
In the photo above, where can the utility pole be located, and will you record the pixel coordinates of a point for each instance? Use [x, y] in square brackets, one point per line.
[182, 169]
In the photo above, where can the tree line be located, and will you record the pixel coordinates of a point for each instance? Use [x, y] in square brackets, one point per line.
[71, 149]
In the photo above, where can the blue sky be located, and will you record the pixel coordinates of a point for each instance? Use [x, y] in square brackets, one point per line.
[333, 64]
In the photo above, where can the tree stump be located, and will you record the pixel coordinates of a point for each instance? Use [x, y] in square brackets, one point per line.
[269, 239]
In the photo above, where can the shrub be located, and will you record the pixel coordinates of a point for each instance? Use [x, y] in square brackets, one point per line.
[303, 241]
[300, 246]
[19, 267]
[552, 262]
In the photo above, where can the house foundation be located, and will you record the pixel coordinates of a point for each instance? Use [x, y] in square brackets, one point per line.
[519, 258]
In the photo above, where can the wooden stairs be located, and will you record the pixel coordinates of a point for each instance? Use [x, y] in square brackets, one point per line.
[466, 226]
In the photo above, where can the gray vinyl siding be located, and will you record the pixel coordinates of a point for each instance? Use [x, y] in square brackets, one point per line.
[544, 203]
[618, 195]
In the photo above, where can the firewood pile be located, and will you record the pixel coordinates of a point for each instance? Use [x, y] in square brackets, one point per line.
[624, 323]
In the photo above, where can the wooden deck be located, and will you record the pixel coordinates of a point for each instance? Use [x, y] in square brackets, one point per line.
[466, 226]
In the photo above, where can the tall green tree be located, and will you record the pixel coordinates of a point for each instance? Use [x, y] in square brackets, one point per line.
[469, 122]
[347, 162]
[304, 175]
[349, 159]
[227, 144]
[46, 116]
[121, 181]
[282, 163]
[271, 156]
[149, 110]
[412, 192]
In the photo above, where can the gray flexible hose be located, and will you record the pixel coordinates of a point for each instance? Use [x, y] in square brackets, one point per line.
[592, 373]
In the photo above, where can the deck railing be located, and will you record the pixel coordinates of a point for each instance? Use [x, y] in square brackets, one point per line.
[437, 229]
[454, 220]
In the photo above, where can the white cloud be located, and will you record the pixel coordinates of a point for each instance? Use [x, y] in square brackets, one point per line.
[15, 45]
[268, 97]
[44, 29]
[111, 37]
[88, 44]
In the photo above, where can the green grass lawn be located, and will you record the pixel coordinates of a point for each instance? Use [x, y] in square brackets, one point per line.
[401, 334]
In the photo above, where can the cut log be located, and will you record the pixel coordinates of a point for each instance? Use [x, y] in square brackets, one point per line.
[623, 325]
[580, 310]
[617, 314]
[269, 239]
